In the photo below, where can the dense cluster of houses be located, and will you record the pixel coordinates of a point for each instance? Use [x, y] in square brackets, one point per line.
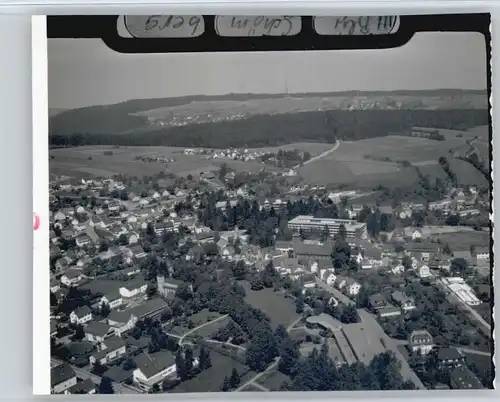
[121, 223]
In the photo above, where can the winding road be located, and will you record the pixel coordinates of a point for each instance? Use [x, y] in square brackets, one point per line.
[181, 339]
[320, 156]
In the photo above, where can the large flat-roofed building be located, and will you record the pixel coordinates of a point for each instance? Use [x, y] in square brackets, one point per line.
[323, 321]
[364, 343]
[308, 223]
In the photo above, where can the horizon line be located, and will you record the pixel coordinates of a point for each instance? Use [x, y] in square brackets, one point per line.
[285, 94]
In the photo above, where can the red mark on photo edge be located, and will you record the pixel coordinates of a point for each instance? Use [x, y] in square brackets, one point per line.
[36, 221]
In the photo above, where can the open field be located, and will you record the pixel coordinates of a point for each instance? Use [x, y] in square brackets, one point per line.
[211, 380]
[280, 310]
[88, 161]
[464, 240]
[396, 148]
[349, 165]
[482, 366]
[273, 380]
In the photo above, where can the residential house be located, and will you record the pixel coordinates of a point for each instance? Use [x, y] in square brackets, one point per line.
[162, 227]
[423, 271]
[286, 265]
[482, 253]
[365, 264]
[118, 230]
[205, 237]
[227, 253]
[81, 315]
[377, 301]
[398, 234]
[420, 340]
[133, 288]
[352, 287]
[168, 286]
[137, 251]
[313, 252]
[398, 269]
[130, 271]
[96, 221]
[78, 226]
[388, 311]
[308, 281]
[463, 254]
[347, 285]
[86, 387]
[71, 277]
[62, 378]
[55, 251]
[403, 301]
[107, 223]
[356, 209]
[153, 368]
[328, 276]
[59, 216]
[373, 256]
[151, 308]
[133, 238]
[439, 262]
[111, 349]
[82, 240]
[54, 285]
[463, 378]
[112, 299]
[97, 332]
[113, 206]
[121, 321]
[450, 358]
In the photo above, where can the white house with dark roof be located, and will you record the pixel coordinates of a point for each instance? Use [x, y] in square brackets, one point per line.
[373, 256]
[133, 288]
[328, 276]
[81, 315]
[54, 285]
[62, 378]
[121, 321]
[403, 301]
[423, 271]
[82, 387]
[111, 349]
[153, 368]
[71, 277]
[112, 299]
[420, 340]
[97, 332]
[82, 240]
[482, 253]
[463, 254]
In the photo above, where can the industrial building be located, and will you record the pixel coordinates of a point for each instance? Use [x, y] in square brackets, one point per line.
[308, 223]
[463, 291]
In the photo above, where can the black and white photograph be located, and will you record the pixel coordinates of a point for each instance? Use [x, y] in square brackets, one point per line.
[270, 221]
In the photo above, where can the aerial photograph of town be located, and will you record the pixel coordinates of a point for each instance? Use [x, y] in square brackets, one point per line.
[280, 221]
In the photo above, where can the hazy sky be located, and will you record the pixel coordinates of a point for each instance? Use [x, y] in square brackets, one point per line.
[84, 72]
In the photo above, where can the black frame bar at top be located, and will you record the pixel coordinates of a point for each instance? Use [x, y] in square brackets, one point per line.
[105, 27]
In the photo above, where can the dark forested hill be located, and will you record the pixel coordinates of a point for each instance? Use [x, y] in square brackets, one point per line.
[267, 130]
